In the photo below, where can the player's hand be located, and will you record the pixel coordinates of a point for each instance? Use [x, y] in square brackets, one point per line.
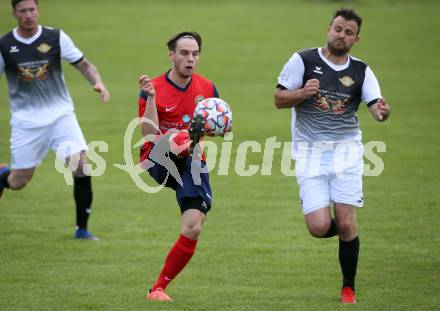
[102, 90]
[382, 110]
[311, 88]
[146, 85]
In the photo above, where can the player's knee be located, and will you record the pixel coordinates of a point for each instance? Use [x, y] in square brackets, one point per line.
[81, 171]
[319, 226]
[192, 231]
[18, 182]
[318, 231]
[346, 227]
[78, 173]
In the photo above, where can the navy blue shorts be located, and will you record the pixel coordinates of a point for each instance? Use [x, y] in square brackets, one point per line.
[187, 177]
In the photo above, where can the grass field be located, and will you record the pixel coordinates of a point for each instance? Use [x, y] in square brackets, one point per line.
[255, 252]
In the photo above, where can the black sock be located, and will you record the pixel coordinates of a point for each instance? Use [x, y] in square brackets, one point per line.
[82, 192]
[348, 259]
[4, 180]
[332, 231]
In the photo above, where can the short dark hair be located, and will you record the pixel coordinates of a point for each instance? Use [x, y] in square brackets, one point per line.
[15, 2]
[349, 15]
[186, 34]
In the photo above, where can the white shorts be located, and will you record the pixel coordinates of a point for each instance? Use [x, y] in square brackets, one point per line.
[330, 173]
[30, 146]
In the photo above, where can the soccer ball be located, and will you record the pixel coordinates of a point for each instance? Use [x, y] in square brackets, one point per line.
[217, 115]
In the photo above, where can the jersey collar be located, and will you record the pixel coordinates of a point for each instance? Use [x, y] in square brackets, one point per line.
[27, 40]
[334, 66]
[182, 89]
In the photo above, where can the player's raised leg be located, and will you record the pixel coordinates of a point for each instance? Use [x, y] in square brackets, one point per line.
[320, 223]
[4, 174]
[184, 143]
[315, 201]
[14, 179]
[196, 132]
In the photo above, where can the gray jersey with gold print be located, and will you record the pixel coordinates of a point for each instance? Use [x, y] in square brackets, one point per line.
[37, 92]
[330, 116]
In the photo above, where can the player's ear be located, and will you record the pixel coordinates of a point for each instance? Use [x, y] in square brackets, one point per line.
[170, 55]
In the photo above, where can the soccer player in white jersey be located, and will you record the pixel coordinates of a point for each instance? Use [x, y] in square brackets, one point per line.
[42, 114]
[324, 88]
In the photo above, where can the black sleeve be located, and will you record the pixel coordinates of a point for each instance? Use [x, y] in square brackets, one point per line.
[77, 61]
[281, 87]
[371, 103]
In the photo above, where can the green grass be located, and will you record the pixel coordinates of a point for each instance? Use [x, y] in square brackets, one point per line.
[254, 253]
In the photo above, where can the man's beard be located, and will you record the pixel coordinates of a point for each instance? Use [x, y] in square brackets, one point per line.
[337, 51]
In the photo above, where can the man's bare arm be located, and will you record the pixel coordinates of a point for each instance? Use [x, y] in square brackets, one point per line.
[92, 75]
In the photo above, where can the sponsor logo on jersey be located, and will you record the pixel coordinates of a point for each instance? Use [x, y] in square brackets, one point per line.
[321, 102]
[199, 99]
[317, 70]
[33, 70]
[14, 49]
[340, 106]
[346, 81]
[168, 109]
[44, 48]
[327, 100]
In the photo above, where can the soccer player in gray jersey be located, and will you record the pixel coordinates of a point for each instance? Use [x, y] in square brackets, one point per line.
[42, 114]
[324, 87]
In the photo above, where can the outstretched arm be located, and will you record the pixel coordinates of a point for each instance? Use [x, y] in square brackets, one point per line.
[380, 110]
[90, 72]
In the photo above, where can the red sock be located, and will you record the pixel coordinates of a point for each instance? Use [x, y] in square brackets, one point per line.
[177, 259]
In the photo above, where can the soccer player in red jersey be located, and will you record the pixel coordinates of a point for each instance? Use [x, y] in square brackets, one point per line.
[166, 108]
